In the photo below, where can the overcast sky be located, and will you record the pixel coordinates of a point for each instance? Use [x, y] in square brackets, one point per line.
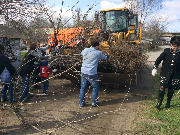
[170, 11]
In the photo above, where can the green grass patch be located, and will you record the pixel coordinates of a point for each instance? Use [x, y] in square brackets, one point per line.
[23, 54]
[156, 49]
[151, 121]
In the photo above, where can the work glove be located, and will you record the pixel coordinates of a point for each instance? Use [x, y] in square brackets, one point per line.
[154, 72]
[49, 57]
[54, 70]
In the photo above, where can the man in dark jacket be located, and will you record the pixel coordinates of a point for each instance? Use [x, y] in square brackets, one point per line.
[27, 69]
[5, 62]
[170, 70]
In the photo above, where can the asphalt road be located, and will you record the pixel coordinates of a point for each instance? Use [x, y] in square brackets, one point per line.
[153, 55]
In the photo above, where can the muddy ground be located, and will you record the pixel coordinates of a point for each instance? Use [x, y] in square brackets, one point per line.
[58, 112]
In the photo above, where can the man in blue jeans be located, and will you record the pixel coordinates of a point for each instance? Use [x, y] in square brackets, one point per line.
[91, 57]
[6, 79]
[25, 72]
[7, 71]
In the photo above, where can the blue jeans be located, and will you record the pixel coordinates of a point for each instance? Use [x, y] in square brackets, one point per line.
[93, 80]
[25, 88]
[4, 91]
[35, 74]
[46, 84]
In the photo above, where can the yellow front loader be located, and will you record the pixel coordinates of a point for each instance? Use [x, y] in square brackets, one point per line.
[119, 24]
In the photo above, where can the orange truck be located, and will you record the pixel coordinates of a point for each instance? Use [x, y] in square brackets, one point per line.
[69, 36]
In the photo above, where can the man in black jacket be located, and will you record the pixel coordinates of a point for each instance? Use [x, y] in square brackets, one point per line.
[170, 70]
[5, 62]
[25, 72]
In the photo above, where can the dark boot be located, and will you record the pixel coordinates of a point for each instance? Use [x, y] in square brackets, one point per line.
[160, 99]
[169, 97]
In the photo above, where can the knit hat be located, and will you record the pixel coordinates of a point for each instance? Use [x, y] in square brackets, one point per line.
[44, 63]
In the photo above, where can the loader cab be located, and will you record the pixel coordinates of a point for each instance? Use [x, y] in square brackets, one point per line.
[115, 20]
[118, 20]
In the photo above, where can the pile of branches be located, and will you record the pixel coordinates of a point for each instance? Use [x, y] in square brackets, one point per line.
[125, 58]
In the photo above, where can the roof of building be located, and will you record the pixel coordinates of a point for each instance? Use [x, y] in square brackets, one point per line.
[10, 32]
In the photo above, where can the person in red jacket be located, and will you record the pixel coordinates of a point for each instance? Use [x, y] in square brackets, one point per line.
[44, 73]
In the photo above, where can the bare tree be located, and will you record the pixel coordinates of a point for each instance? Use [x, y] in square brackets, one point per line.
[23, 15]
[77, 17]
[18, 9]
[144, 8]
[153, 26]
[154, 29]
[55, 20]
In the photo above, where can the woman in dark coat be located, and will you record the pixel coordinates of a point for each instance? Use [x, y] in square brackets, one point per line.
[170, 70]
